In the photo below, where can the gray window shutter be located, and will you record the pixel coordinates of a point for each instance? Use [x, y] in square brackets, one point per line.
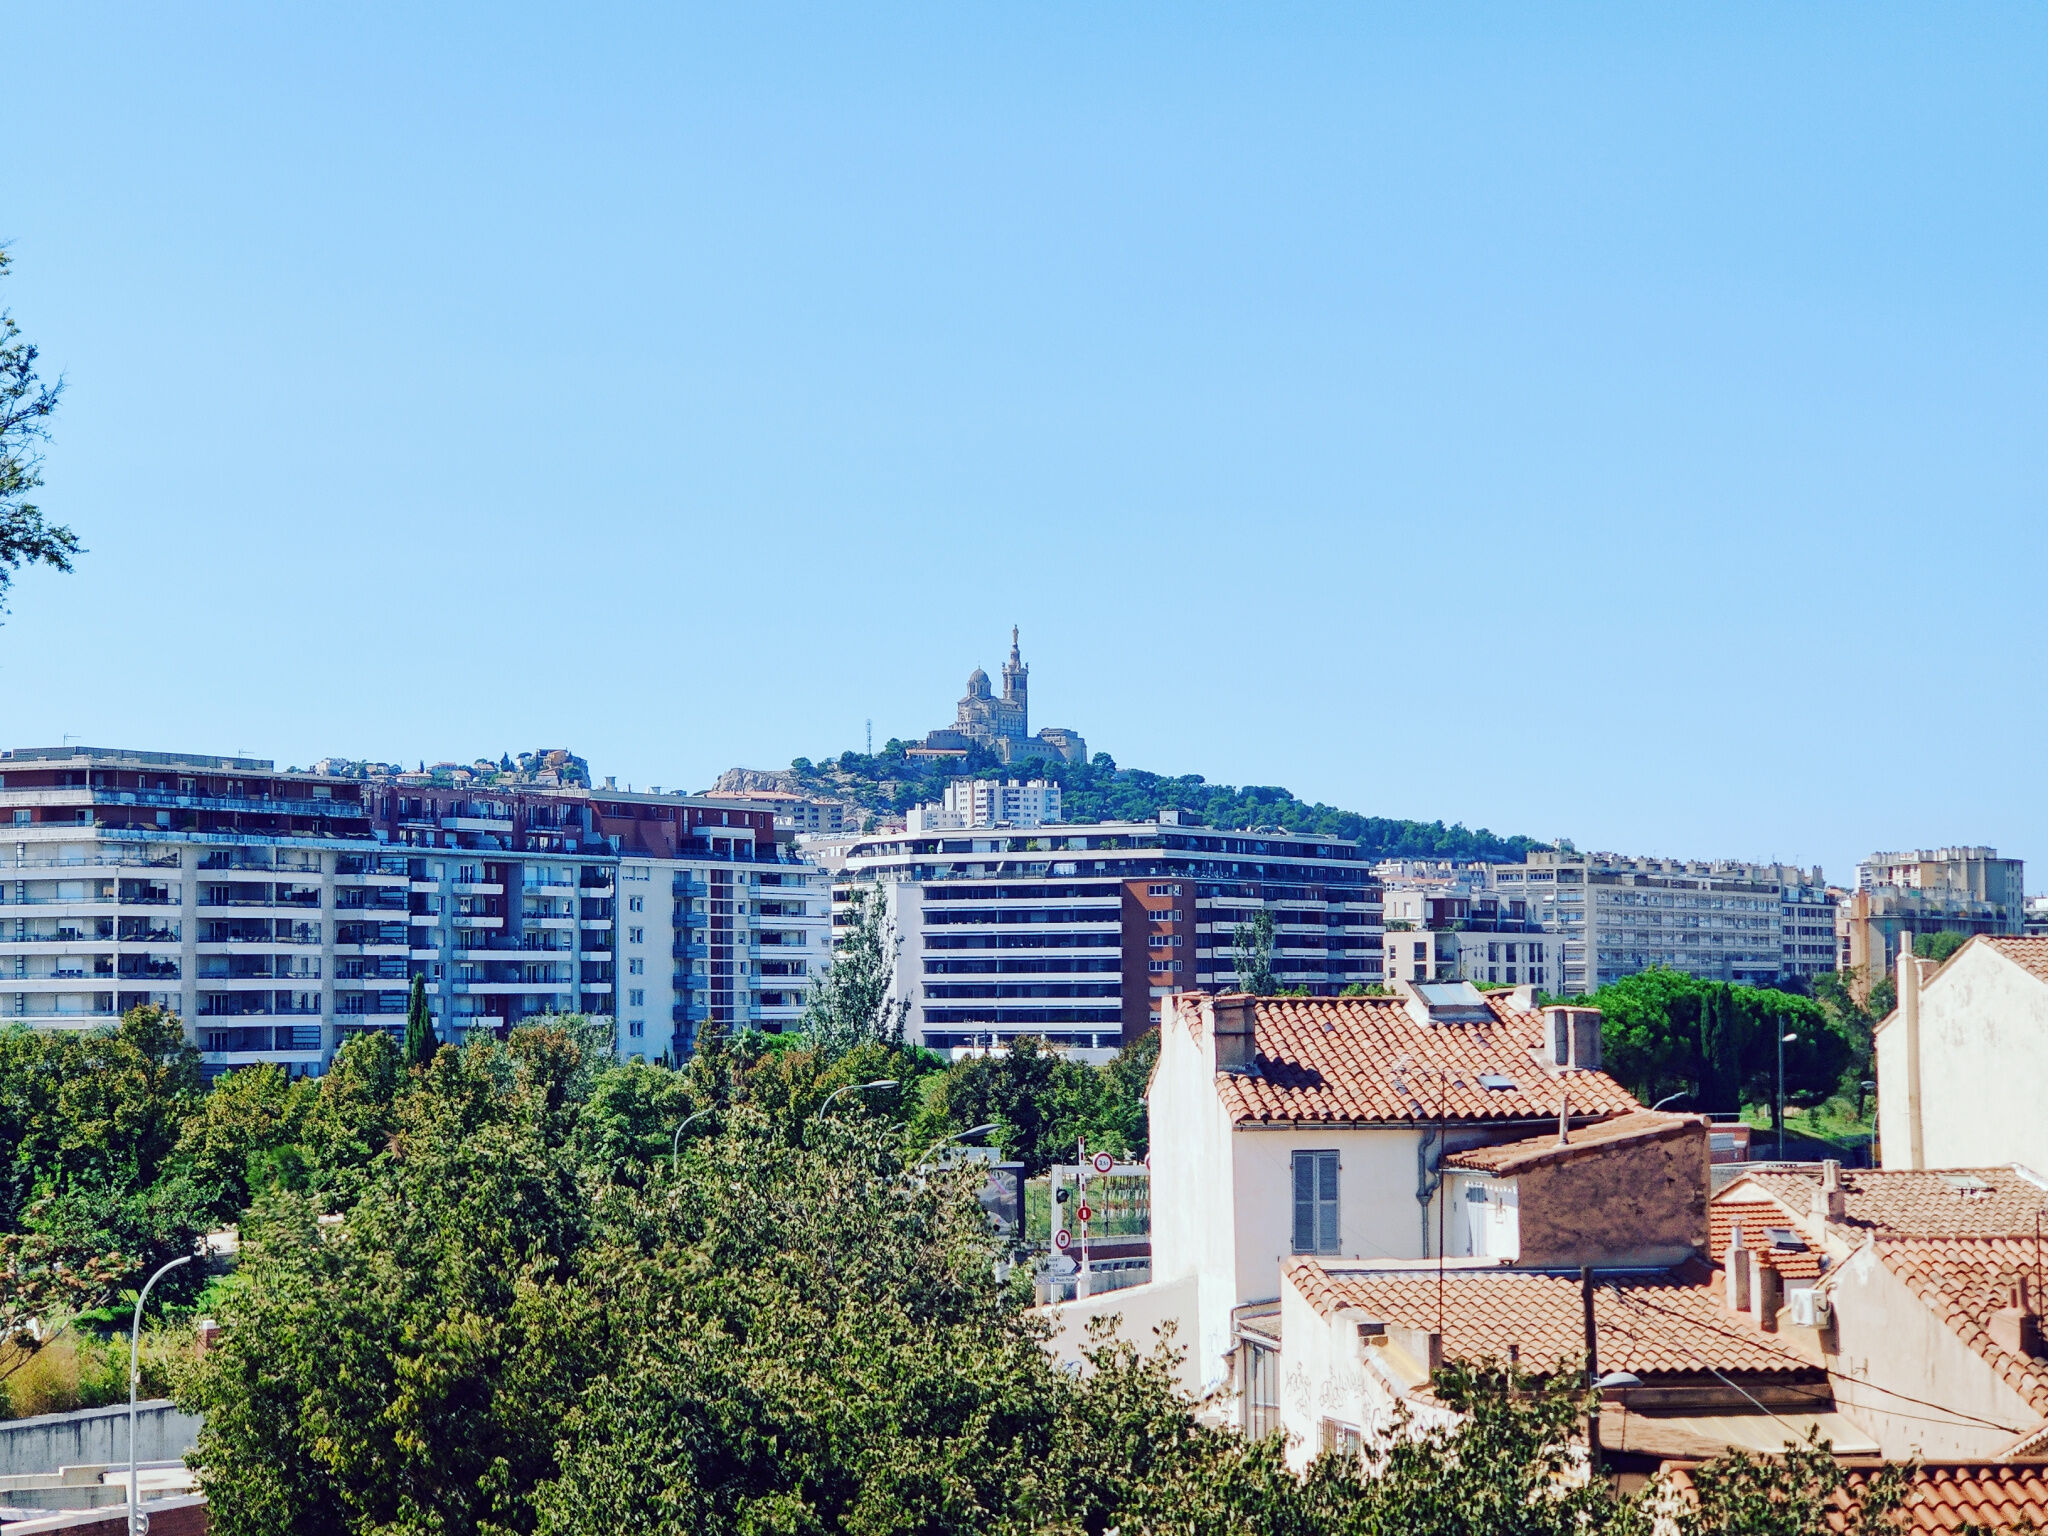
[1304, 1202]
[1326, 1200]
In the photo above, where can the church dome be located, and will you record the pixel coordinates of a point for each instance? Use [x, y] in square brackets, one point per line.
[977, 684]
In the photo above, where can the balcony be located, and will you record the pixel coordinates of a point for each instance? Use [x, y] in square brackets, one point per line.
[266, 806]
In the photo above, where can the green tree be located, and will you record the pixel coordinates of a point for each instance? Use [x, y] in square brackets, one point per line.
[1939, 946]
[850, 1004]
[420, 1040]
[26, 403]
[1254, 954]
[245, 1135]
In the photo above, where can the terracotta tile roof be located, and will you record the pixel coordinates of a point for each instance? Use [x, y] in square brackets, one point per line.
[1509, 1157]
[1758, 1217]
[1673, 1324]
[1935, 1202]
[1939, 1497]
[1963, 1281]
[2030, 955]
[1367, 1059]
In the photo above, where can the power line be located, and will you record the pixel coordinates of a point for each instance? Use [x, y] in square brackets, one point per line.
[1785, 1354]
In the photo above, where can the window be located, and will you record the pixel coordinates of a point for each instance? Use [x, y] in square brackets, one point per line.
[1315, 1202]
[636, 903]
[636, 935]
[637, 1029]
[636, 967]
[1162, 890]
[1343, 1439]
[637, 998]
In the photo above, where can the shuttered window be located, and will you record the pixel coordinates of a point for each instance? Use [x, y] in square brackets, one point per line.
[1315, 1202]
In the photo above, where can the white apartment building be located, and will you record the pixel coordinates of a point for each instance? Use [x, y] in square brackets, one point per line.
[1618, 915]
[1078, 934]
[989, 803]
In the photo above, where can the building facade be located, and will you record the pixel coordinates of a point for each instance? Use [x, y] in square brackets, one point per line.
[1618, 915]
[277, 913]
[1448, 931]
[1899, 896]
[989, 803]
[1078, 935]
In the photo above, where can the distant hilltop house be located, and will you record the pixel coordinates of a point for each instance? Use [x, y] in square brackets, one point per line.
[1002, 725]
[547, 767]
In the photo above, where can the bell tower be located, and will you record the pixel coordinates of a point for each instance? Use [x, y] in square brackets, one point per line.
[1017, 685]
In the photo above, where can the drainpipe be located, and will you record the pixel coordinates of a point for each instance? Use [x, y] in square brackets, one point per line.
[1909, 1021]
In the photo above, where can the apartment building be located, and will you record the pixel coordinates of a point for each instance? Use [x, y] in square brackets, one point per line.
[1618, 915]
[989, 803]
[1450, 929]
[1078, 934]
[1926, 890]
[722, 920]
[277, 913]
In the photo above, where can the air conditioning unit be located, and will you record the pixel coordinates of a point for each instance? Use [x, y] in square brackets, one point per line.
[1807, 1308]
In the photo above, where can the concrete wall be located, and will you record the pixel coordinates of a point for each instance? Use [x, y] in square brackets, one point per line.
[1378, 1216]
[1142, 1314]
[1639, 1202]
[1983, 1067]
[180, 1515]
[1886, 1335]
[1325, 1373]
[52, 1440]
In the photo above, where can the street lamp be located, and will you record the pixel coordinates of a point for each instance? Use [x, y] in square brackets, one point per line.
[966, 1135]
[1683, 1092]
[1783, 1040]
[675, 1150]
[137, 1521]
[880, 1082]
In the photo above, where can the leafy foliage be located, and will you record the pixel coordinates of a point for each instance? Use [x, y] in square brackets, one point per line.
[1253, 958]
[420, 1040]
[1669, 1032]
[1098, 790]
[851, 1005]
[1939, 946]
[26, 403]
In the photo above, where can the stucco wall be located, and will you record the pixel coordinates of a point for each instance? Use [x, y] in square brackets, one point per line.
[1884, 1333]
[1325, 1374]
[1377, 1213]
[1193, 1233]
[1983, 1067]
[1141, 1313]
[1623, 1203]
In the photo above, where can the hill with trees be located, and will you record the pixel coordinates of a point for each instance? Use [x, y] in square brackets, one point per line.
[890, 782]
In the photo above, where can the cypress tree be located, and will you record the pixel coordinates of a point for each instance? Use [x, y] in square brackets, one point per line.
[420, 1040]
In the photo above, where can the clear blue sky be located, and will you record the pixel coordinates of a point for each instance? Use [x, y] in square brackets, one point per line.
[1618, 422]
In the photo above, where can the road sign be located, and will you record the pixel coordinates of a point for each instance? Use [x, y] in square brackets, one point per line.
[1086, 1213]
[1104, 1162]
[1063, 1239]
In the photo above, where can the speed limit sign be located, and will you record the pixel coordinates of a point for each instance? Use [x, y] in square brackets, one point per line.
[1104, 1162]
[1063, 1239]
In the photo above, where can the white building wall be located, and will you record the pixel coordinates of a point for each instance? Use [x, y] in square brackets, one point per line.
[1983, 1067]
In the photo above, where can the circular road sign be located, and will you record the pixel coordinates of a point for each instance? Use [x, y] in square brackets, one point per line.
[1063, 1239]
[1086, 1213]
[1104, 1162]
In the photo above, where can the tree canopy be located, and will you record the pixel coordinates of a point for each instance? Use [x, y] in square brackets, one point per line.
[26, 404]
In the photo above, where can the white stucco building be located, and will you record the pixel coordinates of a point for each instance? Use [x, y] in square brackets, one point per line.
[1962, 1062]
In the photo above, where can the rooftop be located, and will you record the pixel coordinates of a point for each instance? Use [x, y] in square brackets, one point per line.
[1369, 1060]
[1935, 1202]
[1639, 1126]
[1661, 1322]
[1963, 1280]
[1939, 1497]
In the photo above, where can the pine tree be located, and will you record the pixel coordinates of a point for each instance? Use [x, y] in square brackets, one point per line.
[420, 1040]
[1254, 958]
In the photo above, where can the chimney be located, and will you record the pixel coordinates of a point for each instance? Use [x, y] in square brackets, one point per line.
[1909, 1021]
[1830, 1201]
[1571, 1038]
[1735, 1272]
[1421, 1345]
[1766, 1290]
[1233, 1017]
[2016, 1326]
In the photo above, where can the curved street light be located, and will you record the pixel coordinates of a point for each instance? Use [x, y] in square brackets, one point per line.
[880, 1082]
[675, 1149]
[1681, 1094]
[971, 1131]
[137, 1521]
[1783, 1041]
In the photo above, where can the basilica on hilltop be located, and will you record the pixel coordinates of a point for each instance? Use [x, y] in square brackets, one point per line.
[1002, 724]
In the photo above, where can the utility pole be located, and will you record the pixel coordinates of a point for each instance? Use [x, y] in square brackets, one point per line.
[1592, 1369]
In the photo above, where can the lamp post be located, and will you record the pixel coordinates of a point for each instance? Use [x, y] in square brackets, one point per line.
[969, 1133]
[880, 1082]
[1782, 1040]
[1669, 1098]
[675, 1149]
[138, 1522]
